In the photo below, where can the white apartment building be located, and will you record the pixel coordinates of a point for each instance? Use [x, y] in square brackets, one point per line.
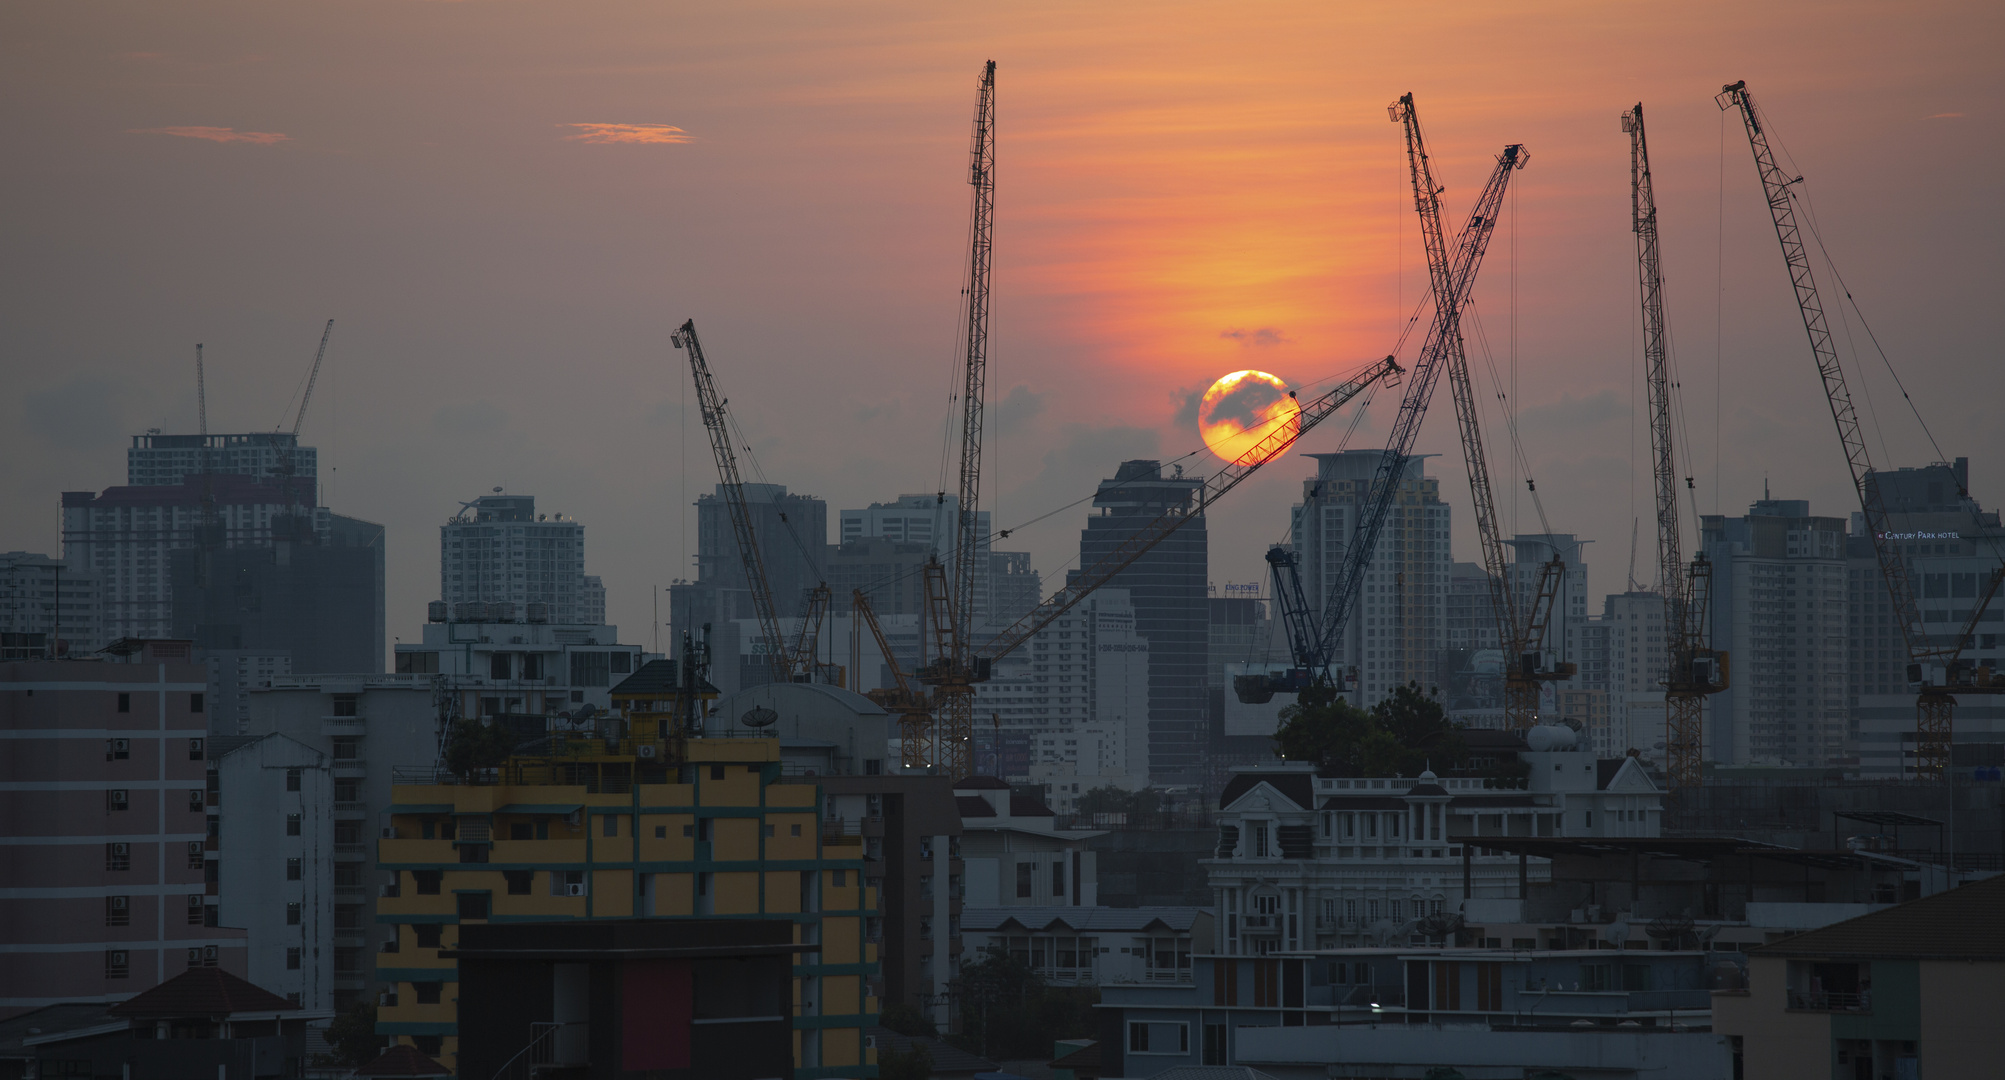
[1639, 660]
[1088, 669]
[1399, 625]
[499, 550]
[1014, 855]
[1314, 862]
[41, 595]
[275, 870]
[1779, 593]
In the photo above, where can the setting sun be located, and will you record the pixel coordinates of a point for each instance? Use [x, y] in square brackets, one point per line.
[1244, 408]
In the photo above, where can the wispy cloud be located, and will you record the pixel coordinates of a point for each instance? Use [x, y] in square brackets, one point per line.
[659, 134]
[1266, 335]
[215, 134]
[1944, 116]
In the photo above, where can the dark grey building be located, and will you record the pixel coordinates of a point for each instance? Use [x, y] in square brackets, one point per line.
[314, 597]
[1169, 589]
[792, 534]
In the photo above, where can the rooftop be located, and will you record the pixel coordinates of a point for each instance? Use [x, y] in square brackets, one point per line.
[1965, 923]
[204, 991]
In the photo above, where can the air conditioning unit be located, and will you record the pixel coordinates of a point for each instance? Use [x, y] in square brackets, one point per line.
[646, 750]
[574, 890]
[121, 849]
[389, 832]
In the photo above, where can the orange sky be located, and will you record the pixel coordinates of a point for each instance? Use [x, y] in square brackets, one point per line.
[507, 205]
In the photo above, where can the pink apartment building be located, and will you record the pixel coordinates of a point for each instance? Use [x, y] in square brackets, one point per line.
[105, 886]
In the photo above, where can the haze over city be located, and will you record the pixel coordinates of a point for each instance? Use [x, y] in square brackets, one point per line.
[508, 206]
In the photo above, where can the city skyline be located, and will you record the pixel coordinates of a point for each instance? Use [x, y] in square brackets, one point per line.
[1169, 210]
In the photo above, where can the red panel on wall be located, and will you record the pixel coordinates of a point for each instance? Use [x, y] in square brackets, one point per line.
[655, 1015]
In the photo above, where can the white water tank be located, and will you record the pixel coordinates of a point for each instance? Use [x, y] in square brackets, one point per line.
[1551, 737]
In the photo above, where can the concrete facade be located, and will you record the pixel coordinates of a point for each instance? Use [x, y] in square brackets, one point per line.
[103, 828]
[41, 595]
[499, 550]
[275, 872]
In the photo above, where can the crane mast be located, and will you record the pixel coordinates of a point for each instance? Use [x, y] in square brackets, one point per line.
[1695, 670]
[1450, 278]
[712, 406]
[1935, 708]
[286, 451]
[950, 606]
[903, 700]
[1523, 641]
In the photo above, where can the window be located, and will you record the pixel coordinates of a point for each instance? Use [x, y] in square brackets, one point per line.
[796, 830]
[498, 666]
[716, 772]
[194, 749]
[292, 869]
[1058, 878]
[117, 749]
[194, 703]
[292, 959]
[661, 832]
[521, 830]
[621, 662]
[428, 935]
[194, 854]
[427, 881]
[292, 779]
[1023, 872]
[346, 790]
[292, 824]
[118, 911]
[519, 881]
[590, 669]
[117, 962]
[472, 905]
[197, 913]
[429, 1045]
[124, 705]
[1146, 1038]
[611, 826]
[347, 705]
[427, 993]
[841, 879]
[292, 913]
[115, 799]
[1260, 841]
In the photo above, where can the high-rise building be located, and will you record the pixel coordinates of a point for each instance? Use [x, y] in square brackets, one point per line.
[1472, 620]
[1638, 662]
[41, 595]
[1015, 589]
[1533, 552]
[1398, 624]
[1088, 669]
[792, 534]
[498, 549]
[928, 521]
[155, 459]
[1952, 546]
[890, 572]
[1168, 587]
[316, 598]
[103, 827]
[1779, 577]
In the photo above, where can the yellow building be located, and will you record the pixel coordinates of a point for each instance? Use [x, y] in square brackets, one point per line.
[623, 822]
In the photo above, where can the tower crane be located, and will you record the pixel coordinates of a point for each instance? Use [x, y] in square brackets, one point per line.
[1696, 669]
[949, 614]
[902, 699]
[1528, 664]
[209, 537]
[781, 659]
[1934, 668]
[1451, 277]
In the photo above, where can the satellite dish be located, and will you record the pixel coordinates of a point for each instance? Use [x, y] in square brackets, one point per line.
[759, 716]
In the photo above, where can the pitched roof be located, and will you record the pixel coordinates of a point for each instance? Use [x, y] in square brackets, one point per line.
[1028, 806]
[203, 991]
[657, 678]
[1298, 787]
[1965, 923]
[51, 1020]
[974, 806]
[405, 1063]
[1082, 919]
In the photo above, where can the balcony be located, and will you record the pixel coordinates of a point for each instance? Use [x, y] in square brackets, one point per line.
[1260, 924]
[1830, 1001]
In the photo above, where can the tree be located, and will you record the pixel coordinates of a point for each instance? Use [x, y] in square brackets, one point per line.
[475, 746]
[1399, 736]
[352, 1034]
[913, 1064]
[908, 1021]
[1008, 1012]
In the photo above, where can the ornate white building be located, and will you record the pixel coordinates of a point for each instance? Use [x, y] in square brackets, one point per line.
[1314, 862]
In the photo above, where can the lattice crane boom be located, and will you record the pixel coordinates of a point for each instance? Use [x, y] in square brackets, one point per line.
[1451, 279]
[1695, 670]
[712, 406]
[1935, 708]
[1209, 491]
